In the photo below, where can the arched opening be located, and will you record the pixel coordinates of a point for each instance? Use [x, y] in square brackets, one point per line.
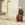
[2, 8]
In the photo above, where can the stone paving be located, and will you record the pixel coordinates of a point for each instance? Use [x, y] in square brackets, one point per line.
[10, 22]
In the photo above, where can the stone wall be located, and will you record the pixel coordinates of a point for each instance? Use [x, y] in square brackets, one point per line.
[12, 9]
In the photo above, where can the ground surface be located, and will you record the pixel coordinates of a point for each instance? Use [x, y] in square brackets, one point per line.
[10, 22]
[5, 21]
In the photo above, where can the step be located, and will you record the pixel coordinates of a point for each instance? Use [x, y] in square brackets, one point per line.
[2, 13]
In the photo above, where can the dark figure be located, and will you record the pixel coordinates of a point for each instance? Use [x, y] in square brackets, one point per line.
[20, 15]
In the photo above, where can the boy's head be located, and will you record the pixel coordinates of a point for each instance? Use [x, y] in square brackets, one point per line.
[20, 11]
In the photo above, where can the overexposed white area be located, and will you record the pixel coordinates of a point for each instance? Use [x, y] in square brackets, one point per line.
[13, 8]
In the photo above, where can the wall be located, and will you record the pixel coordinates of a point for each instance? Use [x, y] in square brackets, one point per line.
[4, 9]
[12, 9]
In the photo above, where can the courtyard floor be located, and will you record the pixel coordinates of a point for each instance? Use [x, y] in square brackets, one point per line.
[10, 22]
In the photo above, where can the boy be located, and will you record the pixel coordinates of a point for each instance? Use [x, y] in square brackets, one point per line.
[20, 15]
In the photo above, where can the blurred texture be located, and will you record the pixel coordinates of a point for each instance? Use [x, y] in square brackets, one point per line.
[22, 4]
